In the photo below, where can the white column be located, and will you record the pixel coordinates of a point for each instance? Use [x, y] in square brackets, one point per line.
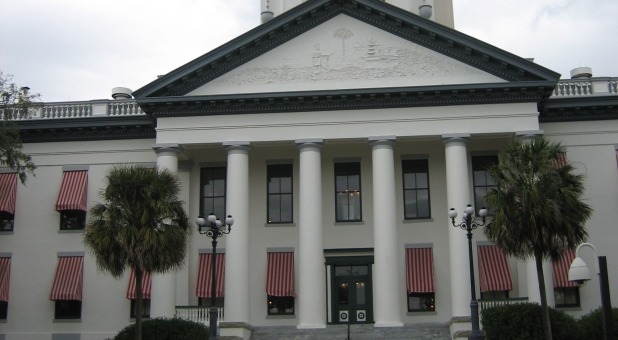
[163, 303]
[311, 292]
[387, 293]
[458, 197]
[237, 242]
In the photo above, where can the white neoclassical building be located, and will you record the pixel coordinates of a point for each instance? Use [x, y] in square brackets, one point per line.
[338, 134]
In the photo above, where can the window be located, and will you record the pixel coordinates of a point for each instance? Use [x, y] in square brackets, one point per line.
[72, 200]
[279, 193]
[72, 220]
[8, 189]
[416, 189]
[213, 192]
[68, 309]
[421, 302]
[67, 287]
[496, 294]
[280, 283]
[280, 305]
[483, 182]
[348, 192]
[145, 308]
[4, 307]
[566, 296]
[420, 279]
[6, 221]
[206, 302]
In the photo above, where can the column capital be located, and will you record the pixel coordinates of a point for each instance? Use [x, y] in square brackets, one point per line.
[529, 135]
[382, 140]
[167, 148]
[455, 137]
[237, 145]
[309, 142]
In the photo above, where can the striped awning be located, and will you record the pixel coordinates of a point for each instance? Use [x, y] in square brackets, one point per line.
[146, 286]
[69, 278]
[419, 270]
[560, 270]
[493, 270]
[8, 187]
[204, 276]
[560, 161]
[280, 274]
[73, 191]
[5, 277]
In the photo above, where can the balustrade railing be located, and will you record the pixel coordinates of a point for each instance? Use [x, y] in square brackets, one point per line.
[586, 87]
[198, 314]
[488, 303]
[65, 110]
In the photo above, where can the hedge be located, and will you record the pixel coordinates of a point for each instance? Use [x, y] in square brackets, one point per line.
[591, 324]
[166, 329]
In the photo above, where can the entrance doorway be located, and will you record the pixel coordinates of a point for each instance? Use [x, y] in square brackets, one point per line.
[351, 298]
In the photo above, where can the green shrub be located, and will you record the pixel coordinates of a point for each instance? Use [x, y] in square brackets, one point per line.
[591, 324]
[166, 329]
[524, 321]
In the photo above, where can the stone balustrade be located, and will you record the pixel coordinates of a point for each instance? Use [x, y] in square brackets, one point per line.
[97, 108]
[488, 303]
[198, 314]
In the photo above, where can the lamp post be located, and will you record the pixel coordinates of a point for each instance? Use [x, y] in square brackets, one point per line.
[579, 272]
[213, 228]
[468, 224]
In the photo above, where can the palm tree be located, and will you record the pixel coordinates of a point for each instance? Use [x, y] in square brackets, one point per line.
[141, 225]
[537, 204]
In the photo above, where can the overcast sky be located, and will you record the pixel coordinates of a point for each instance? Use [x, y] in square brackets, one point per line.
[81, 49]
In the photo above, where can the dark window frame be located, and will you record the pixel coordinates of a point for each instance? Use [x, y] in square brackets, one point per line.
[72, 220]
[480, 164]
[4, 310]
[567, 289]
[277, 172]
[7, 221]
[67, 309]
[348, 169]
[415, 167]
[495, 295]
[280, 305]
[210, 174]
[429, 300]
[145, 308]
[205, 302]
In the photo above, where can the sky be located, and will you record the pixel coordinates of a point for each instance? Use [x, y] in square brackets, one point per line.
[72, 50]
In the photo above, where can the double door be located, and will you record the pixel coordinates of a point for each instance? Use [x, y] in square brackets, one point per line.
[351, 293]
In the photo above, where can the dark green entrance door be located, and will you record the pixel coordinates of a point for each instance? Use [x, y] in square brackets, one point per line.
[352, 295]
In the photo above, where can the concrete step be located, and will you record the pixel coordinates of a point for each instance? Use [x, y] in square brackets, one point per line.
[421, 331]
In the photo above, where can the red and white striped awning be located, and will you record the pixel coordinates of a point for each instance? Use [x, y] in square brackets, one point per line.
[146, 286]
[493, 270]
[419, 270]
[73, 191]
[5, 277]
[560, 161]
[204, 276]
[280, 274]
[8, 187]
[68, 280]
[560, 270]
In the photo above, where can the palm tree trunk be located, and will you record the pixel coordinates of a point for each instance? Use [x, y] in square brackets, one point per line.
[138, 303]
[544, 308]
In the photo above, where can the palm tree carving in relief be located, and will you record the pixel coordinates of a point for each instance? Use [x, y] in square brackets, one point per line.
[343, 34]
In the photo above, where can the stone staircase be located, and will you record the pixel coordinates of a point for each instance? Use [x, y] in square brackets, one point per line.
[421, 331]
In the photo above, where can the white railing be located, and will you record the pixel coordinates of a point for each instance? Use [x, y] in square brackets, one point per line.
[488, 303]
[64, 110]
[198, 314]
[586, 87]
[573, 88]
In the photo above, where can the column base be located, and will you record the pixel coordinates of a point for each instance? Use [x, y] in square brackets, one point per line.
[460, 327]
[235, 330]
[388, 324]
[308, 326]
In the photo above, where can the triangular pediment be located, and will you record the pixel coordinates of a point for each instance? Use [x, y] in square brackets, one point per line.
[350, 49]
[344, 53]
